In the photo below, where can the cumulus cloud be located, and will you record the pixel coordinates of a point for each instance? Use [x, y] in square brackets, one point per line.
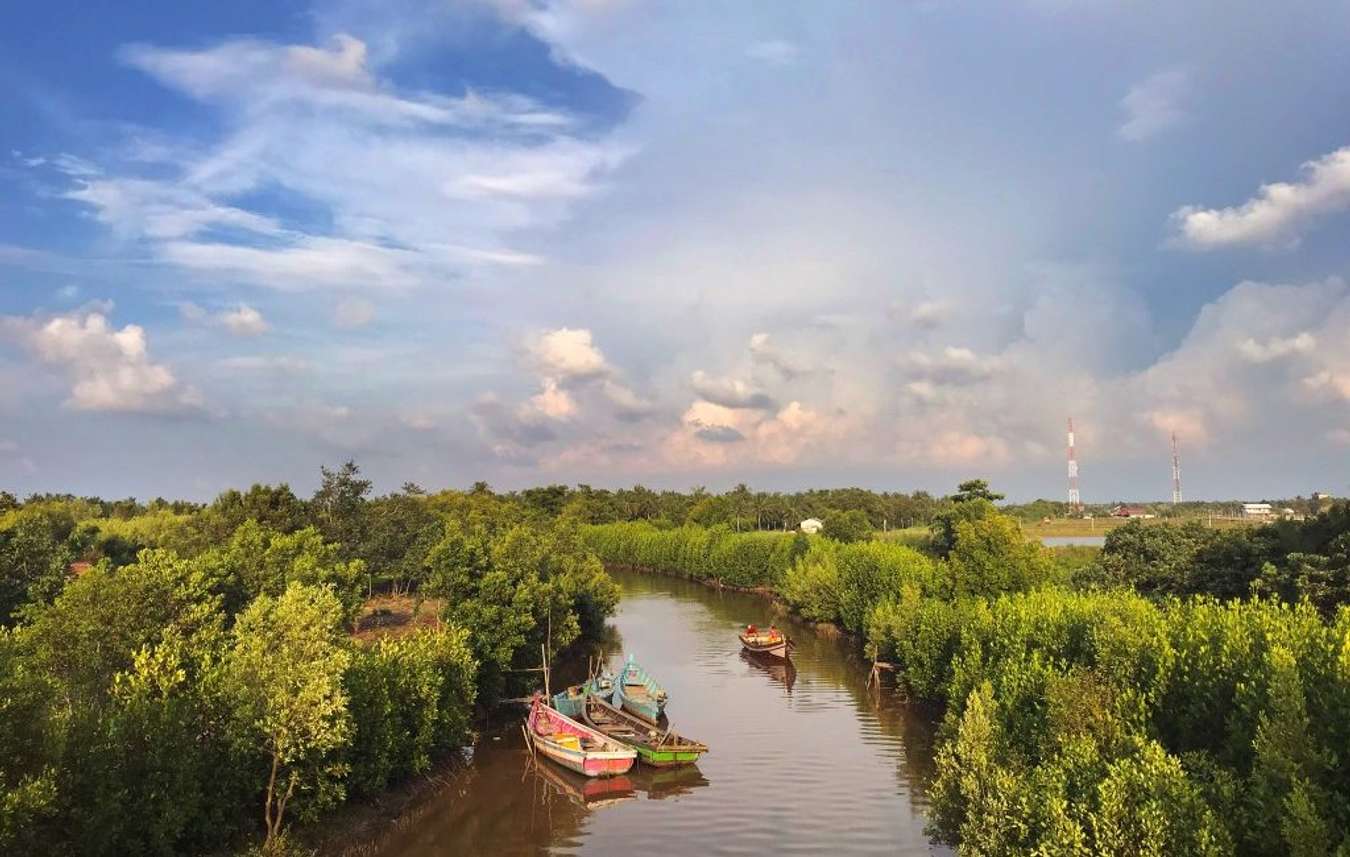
[952, 366]
[1277, 347]
[109, 369]
[244, 320]
[764, 350]
[928, 315]
[730, 392]
[1276, 214]
[576, 383]
[1154, 105]
[567, 353]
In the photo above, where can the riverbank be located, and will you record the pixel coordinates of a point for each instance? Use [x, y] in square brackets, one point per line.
[814, 727]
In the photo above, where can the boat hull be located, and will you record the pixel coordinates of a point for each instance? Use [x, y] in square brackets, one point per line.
[650, 711]
[778, 648]
[638, 693]
[670, 750]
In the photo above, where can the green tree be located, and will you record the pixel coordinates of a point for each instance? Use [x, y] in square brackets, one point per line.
[339, 507]
[847, 527]
[975, 489]
[992, 556]
[284, 678]
[35, 553]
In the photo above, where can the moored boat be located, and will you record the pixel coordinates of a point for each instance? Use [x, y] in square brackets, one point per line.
[656, 747]
[569, 701]
[637, 692]
[771, 643]
[574, 745]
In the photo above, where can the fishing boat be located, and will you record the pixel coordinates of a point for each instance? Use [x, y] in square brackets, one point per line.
[655, 747]
[569, 701]
[638, 692]
[574, 745]
[772, 643]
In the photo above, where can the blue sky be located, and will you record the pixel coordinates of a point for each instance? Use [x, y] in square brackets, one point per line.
[611, 241]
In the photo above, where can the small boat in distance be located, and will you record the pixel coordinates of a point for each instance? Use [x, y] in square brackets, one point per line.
[638, 692]
[574, 745]
[656, 747]
[771, 643]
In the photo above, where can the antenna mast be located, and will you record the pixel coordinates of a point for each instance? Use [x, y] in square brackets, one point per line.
[1176, 472]
[1075, 502]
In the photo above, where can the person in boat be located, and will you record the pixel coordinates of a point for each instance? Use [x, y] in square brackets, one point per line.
[751, 630]
[773, 632]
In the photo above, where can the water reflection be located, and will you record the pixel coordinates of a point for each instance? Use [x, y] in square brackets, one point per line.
[804, 759]
[782, 671]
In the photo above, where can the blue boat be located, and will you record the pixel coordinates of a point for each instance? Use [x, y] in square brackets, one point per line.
[637, 692]
[571, 701]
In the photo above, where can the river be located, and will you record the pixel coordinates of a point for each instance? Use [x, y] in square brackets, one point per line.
[805, 760]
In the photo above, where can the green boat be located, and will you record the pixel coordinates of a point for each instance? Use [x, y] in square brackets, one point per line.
[636, 692]
[569, 700]
[655, 746]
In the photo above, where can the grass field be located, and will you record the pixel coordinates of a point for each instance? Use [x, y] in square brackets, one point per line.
[1102, 526]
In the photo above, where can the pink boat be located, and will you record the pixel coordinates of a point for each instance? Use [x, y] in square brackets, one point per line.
[575, 746]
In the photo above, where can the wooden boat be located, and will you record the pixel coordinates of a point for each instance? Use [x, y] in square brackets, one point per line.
[574, 745]
[660, 749]
[771, 643]
[569, 701]
[637, 692]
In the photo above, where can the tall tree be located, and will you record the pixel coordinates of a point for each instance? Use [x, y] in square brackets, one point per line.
[339, 507]
[284, 677]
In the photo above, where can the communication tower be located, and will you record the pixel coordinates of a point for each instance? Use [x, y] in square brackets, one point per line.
[1075, 502]
[1176, 472]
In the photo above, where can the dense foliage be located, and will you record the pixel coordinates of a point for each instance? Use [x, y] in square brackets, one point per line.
[175, 678]
[1186, 691]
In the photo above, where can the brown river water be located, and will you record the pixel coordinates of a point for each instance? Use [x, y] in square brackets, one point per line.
[805, 760]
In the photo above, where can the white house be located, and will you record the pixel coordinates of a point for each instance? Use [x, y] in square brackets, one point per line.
[1256, 510]
[812, 525]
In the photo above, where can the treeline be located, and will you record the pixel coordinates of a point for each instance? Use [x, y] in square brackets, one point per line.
[198, 683]
[1118, 706]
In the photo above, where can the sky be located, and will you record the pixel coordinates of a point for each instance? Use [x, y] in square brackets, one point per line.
[792, 244]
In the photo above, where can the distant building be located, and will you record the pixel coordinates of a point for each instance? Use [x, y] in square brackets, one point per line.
[812, 525]
[1131, 512]
[1256, 510]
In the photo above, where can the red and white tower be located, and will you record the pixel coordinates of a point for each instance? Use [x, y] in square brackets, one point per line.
[1075, 502]
[1176, 472]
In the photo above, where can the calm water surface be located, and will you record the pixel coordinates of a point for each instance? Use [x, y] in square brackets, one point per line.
[1073, 541]
[803, 761]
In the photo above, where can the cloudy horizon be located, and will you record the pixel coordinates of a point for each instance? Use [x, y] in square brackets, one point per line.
[610, 242]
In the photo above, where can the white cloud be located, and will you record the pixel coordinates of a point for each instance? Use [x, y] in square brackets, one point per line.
[109, 369]
[1277, 347]
[764, 350]
[929, 315]
[552, 402]
[244, 321]
[567, 353]
[352, 313]
[1278, 211]
[417, 187]
[1154, 105]
[952, 366]
[730, 392]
